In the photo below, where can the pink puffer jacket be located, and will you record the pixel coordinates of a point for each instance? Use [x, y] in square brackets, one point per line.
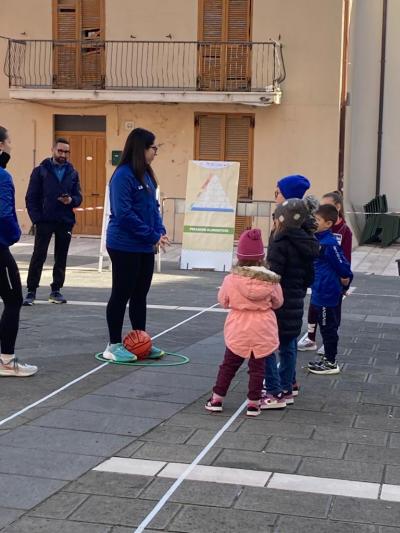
[251, 294]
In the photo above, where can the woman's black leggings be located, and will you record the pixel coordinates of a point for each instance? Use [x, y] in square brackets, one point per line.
[11, 294]
[132, 273]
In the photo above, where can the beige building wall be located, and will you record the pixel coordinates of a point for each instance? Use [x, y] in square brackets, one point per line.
[298, 136]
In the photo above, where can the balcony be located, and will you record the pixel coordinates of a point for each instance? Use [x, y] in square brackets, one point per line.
[146, 71]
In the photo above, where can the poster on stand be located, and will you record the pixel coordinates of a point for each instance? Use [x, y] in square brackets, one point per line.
[210, 211]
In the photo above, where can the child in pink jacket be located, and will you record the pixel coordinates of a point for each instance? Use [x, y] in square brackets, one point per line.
[251, 292]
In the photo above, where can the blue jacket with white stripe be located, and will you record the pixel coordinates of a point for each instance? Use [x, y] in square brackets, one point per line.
[330, 266]
[10, 231]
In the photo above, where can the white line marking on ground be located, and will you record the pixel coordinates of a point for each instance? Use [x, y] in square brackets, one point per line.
[188, 470]
[254, 478]
[149, 306]
[96, 369]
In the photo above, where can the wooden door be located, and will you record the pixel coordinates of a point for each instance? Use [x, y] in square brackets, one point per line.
[78, 28]
[88, 155]
[224, 67]
[229, 138]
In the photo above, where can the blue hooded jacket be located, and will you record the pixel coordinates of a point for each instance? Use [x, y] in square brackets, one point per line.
[330, 266]
[135, 222]
[44, 190]
[10, 231]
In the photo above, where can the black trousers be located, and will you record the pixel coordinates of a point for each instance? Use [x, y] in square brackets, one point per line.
[329, 321]
[62, 239]
[132, 273]
[313, 318]
[11, 294]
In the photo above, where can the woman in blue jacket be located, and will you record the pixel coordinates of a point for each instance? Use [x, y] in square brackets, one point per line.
[10, 282]
[134, 231]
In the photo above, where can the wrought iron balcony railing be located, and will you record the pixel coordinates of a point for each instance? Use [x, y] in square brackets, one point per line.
[145, 65]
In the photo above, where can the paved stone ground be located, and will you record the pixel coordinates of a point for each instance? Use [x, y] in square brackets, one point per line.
[343, 427]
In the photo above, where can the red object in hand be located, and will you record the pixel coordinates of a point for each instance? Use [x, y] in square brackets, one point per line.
[139, 343]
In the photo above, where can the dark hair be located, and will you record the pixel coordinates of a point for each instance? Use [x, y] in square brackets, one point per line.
[136, 143]
[337, 198]
[248, 263]
[328, 213]
[61, 140]
[3, 134]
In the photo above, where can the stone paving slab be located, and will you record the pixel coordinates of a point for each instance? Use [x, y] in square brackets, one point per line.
[24, 492]
[122, 511]
[289, 524]
[45, 463]
[42, 525]
[117, 424]
[193, 519]
[284, 502]
[351, 470]
[65, 440]
[9, 515]
[373, 512]
[109, 484]
[273, 462]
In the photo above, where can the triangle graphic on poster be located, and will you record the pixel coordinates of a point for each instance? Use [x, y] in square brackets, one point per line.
[212, 197]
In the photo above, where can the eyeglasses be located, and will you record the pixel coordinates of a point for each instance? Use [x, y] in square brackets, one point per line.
[66, 152]
[276, 193]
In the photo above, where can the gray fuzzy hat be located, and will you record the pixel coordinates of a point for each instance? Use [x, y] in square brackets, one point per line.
[292, 213]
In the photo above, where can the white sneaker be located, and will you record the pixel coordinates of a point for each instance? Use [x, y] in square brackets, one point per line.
[118, 353]
[321, 351]
[16, 369]
[306, 345]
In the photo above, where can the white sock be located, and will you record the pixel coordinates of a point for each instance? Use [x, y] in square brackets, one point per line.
[7, 358]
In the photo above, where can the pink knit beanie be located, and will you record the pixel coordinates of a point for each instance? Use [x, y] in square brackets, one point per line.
[250, 247]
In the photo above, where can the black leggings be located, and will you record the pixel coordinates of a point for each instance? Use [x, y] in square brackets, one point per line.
[132, 273]
[11, 294]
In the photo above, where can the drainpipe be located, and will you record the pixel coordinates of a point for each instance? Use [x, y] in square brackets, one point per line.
[343, 92]
[381, 99]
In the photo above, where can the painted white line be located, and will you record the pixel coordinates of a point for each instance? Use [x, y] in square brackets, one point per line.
[252, 478]
[218, 474]
[320, 485]
[54, 393]
[188, 470]
[137, 467]
[149, 306]
[96, 369]
[390, 493]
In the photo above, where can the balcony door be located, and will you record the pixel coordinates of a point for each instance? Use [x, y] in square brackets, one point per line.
[224, 52]
[78, 29]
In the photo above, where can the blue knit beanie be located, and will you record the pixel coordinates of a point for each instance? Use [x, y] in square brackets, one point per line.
[293, 186]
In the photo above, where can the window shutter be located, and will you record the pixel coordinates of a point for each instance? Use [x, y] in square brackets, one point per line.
[66, 55]
[92, 56]
[239, 147]
[210, 137]
[211, 30]
[224, 67]
[238, 55]
[229, 138]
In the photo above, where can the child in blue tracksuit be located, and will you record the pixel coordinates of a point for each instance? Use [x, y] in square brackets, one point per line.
[332, 274]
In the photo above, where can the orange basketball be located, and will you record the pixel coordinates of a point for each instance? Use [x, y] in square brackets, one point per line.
[138, 342]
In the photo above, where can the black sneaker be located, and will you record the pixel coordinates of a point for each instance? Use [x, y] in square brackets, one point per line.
[29, 298]
[317, 362]
[253, 409]
[57, 298]
[324, 367]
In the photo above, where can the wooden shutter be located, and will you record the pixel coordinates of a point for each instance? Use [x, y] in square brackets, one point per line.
[92, 55]
[229, 138]
[224, 67]
[211, 30]
[66, 28]
[210, 137]
[238, 24]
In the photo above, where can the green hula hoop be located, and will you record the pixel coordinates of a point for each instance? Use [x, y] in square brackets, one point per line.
[181, 360]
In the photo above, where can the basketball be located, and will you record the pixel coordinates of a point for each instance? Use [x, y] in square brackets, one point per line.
[138, 342]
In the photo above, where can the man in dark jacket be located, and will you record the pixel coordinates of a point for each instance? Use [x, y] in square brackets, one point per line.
[53, 192]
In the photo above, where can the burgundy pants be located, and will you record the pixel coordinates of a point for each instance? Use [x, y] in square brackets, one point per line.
[231, 365]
